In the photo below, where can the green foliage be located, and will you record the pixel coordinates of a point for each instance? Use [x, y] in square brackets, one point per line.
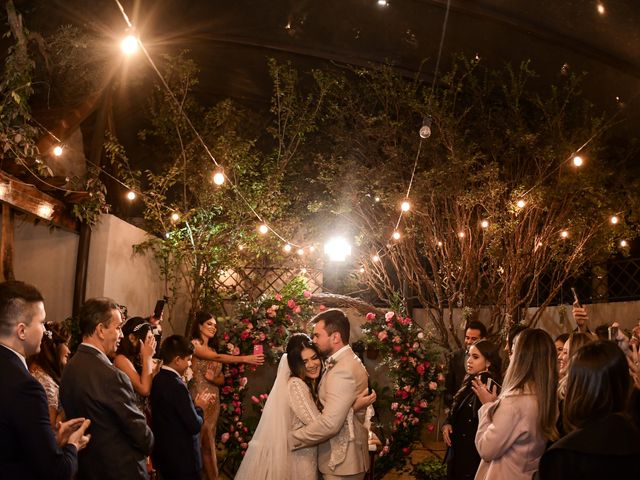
[430, 469]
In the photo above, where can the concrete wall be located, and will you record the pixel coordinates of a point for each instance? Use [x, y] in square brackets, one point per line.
[47, 258]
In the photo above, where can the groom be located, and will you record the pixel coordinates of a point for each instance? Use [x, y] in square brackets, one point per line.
[340, 434]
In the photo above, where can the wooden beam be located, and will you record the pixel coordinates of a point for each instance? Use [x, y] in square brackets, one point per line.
[6, 244]
[27, 198]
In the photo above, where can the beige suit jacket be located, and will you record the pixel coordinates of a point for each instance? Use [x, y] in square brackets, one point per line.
[339, 387]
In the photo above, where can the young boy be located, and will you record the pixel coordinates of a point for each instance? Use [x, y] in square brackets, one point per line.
[176, 421]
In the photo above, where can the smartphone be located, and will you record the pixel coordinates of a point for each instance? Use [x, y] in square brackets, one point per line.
[258, 349]
[159, 308]
[575, 298]
[491, 384]
[613, 333]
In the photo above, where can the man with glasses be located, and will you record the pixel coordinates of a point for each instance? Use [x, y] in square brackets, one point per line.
[29, 448]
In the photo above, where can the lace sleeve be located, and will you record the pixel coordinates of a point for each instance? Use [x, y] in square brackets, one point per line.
[51, 388]
[301, 401]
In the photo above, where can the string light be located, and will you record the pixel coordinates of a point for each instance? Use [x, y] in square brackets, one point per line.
[377, 199]
[287, 248]
[578, 161]
[361, 269]
[241, 247]
[300, 252]
[131, 195]
[406, 206]
[45, 211]
[263, 229]
[383, 3]
[461, 234]
[521, 203]
[57, 150]
[439, 243]
[175, 216]
[129, 45]
[601, 9]
[375, 258]
[218, 177]
[303, 271]
[425, 129]
[312, 249]
[396, 235]
[614, 220]
[484, 223]
[623, 243]
[564, 234]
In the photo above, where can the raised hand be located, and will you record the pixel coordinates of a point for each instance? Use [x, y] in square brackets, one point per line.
[79, 437]
[254, 359]
[148, 347]
[482, 392]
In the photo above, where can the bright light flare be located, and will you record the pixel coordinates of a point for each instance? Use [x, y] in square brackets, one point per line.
[396, 235]
[131, 195]
[57, 150]
[600, 8]
[337, 249]
[624, 243]
[129, 44]
[578, 161]
[218, 178]
[614, 220]
[175, 216]
[484, 223]
[287, 248]
[375, 258]
[405, 206]
[263, 229]
[300, 252]
[521, 203]
[564, 234]
[45, 211]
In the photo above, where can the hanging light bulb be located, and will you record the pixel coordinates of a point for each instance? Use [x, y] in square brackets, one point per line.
[312, 249]
[405, 206]
[396, 235]
[263, 229]
[484, 223]
[564, 234]
[578, 161]
[241, 247]
[300, 252]
[175, 216]
[623, 243]
[361, 269]
[287, 248]
[614, 220]
[439, 243]
[461, 234]
[425, 130]
[129, 44]
[376, 199]
[521, 203]
[45, 211]
[131, 195]
[375, 258]
[57, 150]
[218, 177]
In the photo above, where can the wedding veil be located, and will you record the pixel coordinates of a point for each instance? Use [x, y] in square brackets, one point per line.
[268, 455]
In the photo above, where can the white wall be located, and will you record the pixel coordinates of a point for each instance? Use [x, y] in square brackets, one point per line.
[46, 258]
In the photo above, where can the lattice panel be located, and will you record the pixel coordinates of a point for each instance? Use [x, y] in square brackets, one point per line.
[255, 281]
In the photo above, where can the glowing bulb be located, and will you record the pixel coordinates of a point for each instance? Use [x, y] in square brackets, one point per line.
[57, 150]
[601, 9]
[312, 249]
[564, 234]
[218, 178]
[383, 3]
[425, 130]
[623, 243]
[300, 251]
[45, 211]
[287, 248]
[614, 220]
[406, 206]
[129, 45]
[337, 249]
[396, 235]
[521, 203]
[175, 216]
[377, 199]
[167, 235]
[131, 195]
[461, 234]
[241, 247]
[303, 271]
[484, 223]
[375, 258]
[361, 269]
[263, 229]
[578, 161]
[439, 243]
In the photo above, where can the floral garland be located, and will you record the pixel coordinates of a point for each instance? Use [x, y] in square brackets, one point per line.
[268, 322]
[416, 381]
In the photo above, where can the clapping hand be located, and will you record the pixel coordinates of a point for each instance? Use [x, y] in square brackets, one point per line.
[482, 392]
[148, 347]
[73, 432]
[203, 399]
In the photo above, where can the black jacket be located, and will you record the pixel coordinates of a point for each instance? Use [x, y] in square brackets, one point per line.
[176, 425]
[606, 448]
[28, 448]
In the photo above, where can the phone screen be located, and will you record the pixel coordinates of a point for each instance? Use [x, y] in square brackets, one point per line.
[157, 311]
[575, 297]
[258, 349]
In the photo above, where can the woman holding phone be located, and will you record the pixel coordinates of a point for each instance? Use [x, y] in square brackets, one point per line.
[207, 378]
[459, 431]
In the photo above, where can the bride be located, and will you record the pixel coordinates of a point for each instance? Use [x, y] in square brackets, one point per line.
[292, 403]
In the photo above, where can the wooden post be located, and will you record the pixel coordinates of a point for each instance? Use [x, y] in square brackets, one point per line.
[6, 243]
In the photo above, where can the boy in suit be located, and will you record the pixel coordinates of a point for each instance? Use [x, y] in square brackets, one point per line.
[176, 421]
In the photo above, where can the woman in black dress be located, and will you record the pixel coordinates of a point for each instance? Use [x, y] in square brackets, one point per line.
[460, 427]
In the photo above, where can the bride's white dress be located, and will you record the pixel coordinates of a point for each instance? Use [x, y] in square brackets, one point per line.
[269, 457]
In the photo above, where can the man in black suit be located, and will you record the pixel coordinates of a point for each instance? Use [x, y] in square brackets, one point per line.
[457, 370]
[29, 448]
[176, 421]
[92, 387]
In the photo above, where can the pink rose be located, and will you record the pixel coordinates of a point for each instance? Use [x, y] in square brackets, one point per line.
[322, 308]
[224, 437]
[291, 304]
[278, 297]
[297, 309]
[306, 294]
[382, 335]
[389, 315]
[264, 396]
[237, 410]
[244, 446]
[433, 386]
[420, 369]
[236, 351]
[406, 451]
[243, 381]
[245, 334]
[370, 316]
[430, 427]
[397, 339]
[397, 348]
[424, 404]
[420, 335]
[394, 406]
[441, 377]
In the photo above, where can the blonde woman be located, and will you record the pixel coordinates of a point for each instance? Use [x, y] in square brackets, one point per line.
[571, 346]
[514, 429]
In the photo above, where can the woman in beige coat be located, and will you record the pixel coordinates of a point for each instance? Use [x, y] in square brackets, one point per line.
[514, 429]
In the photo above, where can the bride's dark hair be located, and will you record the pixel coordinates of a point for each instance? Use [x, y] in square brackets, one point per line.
[296, 344]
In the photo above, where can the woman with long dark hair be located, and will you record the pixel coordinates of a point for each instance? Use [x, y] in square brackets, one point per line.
[514, 430]
[47, 365]
[602, 441]
[207, 378]
[459, 431]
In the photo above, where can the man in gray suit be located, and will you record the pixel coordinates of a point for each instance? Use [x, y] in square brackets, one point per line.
[340, 434]
[93, 388]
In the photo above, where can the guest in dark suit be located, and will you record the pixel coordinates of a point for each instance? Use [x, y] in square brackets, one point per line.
[92, 387]
[176, 422]
[29, 448]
